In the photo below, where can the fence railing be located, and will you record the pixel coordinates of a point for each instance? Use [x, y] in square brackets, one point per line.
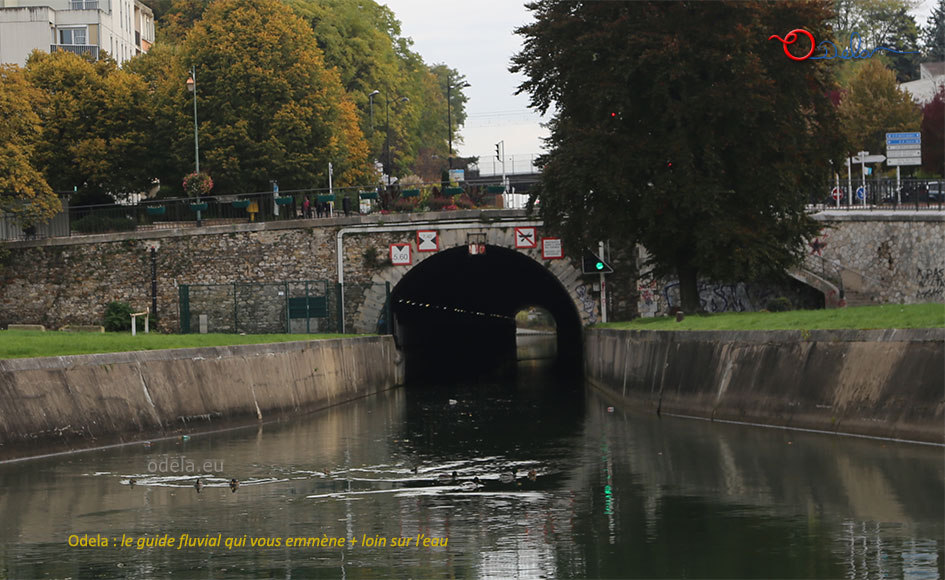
[882, 194]
[156, 214]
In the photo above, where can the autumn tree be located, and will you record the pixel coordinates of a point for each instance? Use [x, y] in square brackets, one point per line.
[268, 106]
[702, 147]
[94, 122]
[933, 134]
[872, 105]
[24, 192]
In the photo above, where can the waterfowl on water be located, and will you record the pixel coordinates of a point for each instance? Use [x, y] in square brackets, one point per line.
[234, 485]
[198, 485]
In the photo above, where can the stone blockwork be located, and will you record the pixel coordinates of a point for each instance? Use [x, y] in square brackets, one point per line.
[68, 281]
[893, 258]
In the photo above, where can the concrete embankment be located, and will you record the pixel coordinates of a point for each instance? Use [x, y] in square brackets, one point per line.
[106, 398]
[886, 383]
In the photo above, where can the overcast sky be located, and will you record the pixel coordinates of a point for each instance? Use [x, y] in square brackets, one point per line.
[475, 37]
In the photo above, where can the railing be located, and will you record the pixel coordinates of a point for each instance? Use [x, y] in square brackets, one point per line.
[882, 194]
[90, 50]
[155, 214]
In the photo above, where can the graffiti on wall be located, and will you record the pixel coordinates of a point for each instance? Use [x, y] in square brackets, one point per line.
[931, 282]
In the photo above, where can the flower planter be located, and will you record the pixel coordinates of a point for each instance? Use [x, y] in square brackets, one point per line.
[156, 210]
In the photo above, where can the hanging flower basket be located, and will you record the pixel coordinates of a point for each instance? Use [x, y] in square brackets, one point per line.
[198, 207]
[240, 204]
[156, 210]
[285, 200]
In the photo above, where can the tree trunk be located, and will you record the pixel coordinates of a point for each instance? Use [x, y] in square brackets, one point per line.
[688, 289]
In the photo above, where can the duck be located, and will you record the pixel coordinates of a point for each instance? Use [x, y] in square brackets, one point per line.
[234, 485]
[198, 485]
[507, 477]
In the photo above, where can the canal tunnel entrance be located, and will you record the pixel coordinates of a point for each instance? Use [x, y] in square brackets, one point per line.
[454, 313]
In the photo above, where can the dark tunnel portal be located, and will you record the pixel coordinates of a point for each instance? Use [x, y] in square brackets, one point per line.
[454, 312]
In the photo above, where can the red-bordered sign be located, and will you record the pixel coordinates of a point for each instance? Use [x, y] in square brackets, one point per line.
[428, 241]
[526, 238]
[400, 254]
[551, 249]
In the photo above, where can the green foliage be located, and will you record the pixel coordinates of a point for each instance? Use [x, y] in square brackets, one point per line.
[702, 147]
[96, 223]
[779, 304]
[118, 317]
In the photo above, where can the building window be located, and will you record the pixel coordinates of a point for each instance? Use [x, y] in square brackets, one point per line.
[72, 36]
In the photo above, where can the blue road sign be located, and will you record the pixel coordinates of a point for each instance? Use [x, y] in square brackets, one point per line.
[889, 136]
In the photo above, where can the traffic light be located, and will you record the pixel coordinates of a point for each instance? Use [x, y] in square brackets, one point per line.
[592, 264]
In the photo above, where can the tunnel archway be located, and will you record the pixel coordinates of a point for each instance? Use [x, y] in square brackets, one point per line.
[454, 313]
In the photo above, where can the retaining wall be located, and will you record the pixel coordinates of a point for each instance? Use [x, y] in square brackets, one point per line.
[106, 398]
[886, 383]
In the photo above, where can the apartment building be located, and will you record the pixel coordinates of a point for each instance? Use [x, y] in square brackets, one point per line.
[123, 28]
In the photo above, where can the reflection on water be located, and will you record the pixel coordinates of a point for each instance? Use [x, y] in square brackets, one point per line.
[526, 478]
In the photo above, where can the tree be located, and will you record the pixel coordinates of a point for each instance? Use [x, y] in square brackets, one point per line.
[268, 106]
[933, 134]
[702, 147]
[24, 192]
[873, 105]
[933, 35]
[94, 125]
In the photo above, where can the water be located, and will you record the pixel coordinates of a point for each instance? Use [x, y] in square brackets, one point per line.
[614, 495]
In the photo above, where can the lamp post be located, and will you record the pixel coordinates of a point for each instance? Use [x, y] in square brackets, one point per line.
[192, 87]
[449, 113]
[390, 164]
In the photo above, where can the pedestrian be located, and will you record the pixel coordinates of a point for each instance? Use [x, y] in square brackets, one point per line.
[346, 205]
[306, 208]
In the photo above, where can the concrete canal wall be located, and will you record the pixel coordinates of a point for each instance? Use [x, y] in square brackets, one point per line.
[886, 383]
[107, 398]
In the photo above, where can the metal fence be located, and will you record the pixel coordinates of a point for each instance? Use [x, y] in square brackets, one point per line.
[882, 194]
[306, 306]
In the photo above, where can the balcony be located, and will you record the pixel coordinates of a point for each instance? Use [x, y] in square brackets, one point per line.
[90, 50]
[83, 5]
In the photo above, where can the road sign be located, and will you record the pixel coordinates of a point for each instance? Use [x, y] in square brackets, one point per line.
[869, 158]
[591, 263]
[551, 249]
[428, 241]
[836, 193]
[400, 254]
[525, 238]
[861, 193]
[904, 161]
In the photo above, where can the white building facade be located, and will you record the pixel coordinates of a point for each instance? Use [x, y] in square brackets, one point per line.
[122, 28]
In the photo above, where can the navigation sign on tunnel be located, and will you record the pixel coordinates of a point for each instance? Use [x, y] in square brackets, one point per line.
[427, 241]
[525, 238]
[400, 254]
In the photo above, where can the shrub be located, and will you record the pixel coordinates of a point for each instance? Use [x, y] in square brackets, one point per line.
[118, 317]
[96, 224]
[779, 304]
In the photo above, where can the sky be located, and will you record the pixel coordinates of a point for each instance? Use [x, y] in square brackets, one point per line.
[476, 38]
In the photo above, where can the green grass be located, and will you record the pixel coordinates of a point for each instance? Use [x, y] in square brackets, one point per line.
[24, 343]
[861, 317]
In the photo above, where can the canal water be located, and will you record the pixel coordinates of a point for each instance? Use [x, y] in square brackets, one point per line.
[567, 487]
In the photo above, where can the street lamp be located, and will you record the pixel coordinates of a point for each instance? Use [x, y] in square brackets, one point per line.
[371, 102]
[390, 165]
[192, 87]
[449, 113]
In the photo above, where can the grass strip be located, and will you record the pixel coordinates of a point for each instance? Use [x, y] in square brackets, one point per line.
[859, 317]
[25, 343]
